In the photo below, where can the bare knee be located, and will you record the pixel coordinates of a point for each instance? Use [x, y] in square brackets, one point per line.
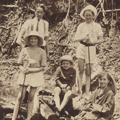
[57, 90]
[68, 94]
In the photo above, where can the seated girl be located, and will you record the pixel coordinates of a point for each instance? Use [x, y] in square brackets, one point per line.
[101, 104]
[65, 78]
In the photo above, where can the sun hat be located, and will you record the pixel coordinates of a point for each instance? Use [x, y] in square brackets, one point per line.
[89, 7]
[34, 33]
[112, 83]
[66, 58]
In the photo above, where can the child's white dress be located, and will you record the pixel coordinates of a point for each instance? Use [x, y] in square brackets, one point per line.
[32, 59]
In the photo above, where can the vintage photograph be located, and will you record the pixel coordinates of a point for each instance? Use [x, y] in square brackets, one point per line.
[59, 59]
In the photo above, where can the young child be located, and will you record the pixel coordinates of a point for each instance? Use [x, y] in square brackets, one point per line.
[89, 33]
[65, 78]
[32, 61]
[101, 104]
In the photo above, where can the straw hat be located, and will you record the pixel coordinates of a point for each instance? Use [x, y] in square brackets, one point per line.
[34, 33]
[89, 7]
[66, 58]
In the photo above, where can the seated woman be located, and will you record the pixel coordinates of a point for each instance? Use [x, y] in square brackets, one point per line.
[101, 104]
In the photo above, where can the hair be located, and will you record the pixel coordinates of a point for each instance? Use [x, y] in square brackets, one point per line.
[41, 6]
[88, 10]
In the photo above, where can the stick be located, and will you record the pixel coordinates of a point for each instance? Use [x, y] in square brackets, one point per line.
[89, 61]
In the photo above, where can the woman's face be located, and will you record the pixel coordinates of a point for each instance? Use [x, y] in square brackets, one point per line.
[39, 13]
[88, 15]
[103, 82]
[33, 41]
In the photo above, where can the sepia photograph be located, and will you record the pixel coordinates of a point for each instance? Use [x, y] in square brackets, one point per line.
[59, 59]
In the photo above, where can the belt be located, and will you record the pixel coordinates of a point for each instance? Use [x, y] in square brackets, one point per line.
[86, 44]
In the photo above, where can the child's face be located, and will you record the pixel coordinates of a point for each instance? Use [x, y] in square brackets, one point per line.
[88, 16]
[33, 41]
[39, 13]
[66, 64]
[103, 82]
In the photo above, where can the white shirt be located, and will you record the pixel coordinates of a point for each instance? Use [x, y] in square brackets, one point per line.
[93, 29]
[31, 25]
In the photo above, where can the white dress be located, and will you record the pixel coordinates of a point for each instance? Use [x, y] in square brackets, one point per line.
[32, 59]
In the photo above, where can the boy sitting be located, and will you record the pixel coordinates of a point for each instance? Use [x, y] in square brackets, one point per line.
[65, 78]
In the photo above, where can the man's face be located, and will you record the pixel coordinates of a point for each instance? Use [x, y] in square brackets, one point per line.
[66, 65]
[39, 13]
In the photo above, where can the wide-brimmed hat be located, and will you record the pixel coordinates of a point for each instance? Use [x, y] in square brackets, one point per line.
[112, 83]
[34, 33]
[89, 7]
[66, 58]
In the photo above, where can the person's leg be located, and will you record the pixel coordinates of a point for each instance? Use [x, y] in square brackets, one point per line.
[57, 92]
[66, 98]
[30, 101]
[88, 77]
[19, 101]
[81, 71]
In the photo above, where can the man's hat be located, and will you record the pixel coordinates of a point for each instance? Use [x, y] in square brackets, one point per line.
[34, 33]
[89, 7]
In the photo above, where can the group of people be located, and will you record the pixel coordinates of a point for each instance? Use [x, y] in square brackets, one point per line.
[32, 62]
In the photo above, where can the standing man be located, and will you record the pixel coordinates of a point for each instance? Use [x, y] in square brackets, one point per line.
[36, 24]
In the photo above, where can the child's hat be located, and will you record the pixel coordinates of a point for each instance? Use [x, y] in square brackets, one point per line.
[89, 7]
[66, 58]
[34, 33]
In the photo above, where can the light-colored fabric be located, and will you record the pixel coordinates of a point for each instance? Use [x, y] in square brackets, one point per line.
[28, 59]
[82, 52]
[89, 7]
[94, 30]
[31, 25]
